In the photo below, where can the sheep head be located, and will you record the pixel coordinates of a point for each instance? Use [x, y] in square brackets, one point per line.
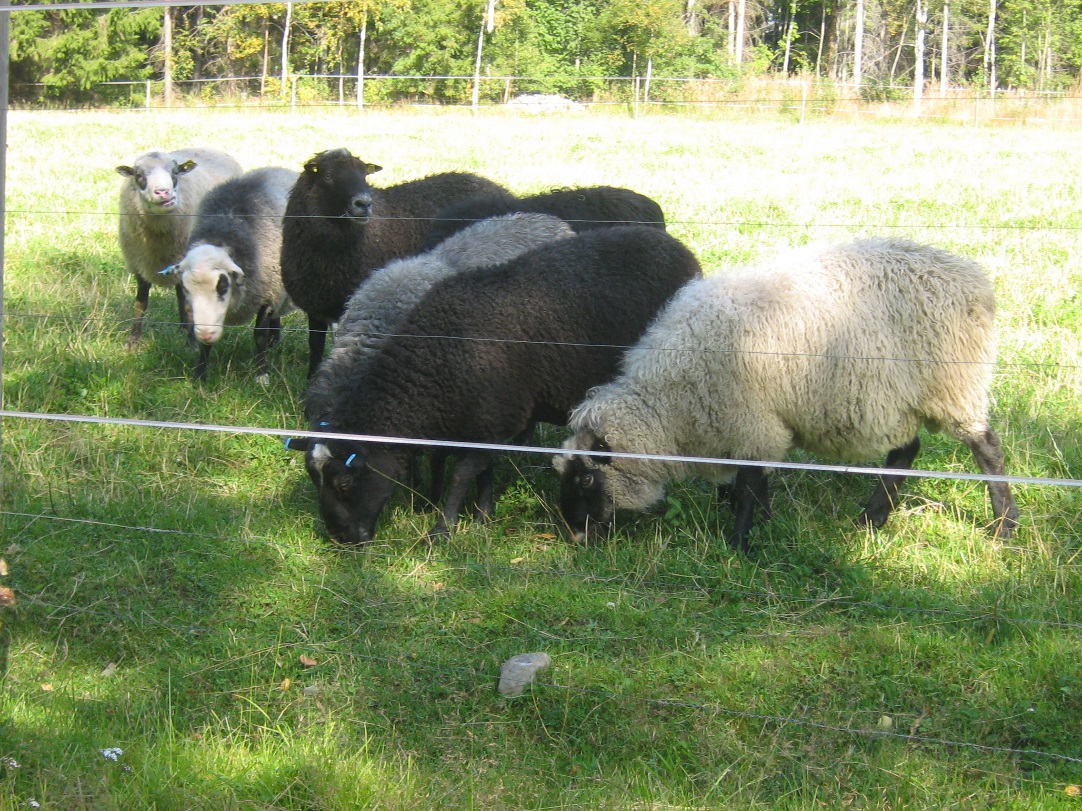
[337, 183]
[353, 481]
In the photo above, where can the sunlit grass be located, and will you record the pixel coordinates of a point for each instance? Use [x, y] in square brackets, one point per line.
[193, 615]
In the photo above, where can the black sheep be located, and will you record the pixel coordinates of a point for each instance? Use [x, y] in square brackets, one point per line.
[338, 229]
[485, 355]
[583, 209]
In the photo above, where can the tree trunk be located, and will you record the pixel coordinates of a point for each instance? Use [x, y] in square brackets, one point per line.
[167, 53]
[918, 66]
[789, 38]
[990, 47]
[731, 44]
[266, 57]
[741, 12]
[944, 48]
[858, 46]
[285, 49]
[360, 63]
[691, 19]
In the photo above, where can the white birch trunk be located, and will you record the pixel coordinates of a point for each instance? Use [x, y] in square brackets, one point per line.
[918, 66]
[285, 48]
[944, 47]
[360, 63]
[858, 46]
[741, 11]
[167, 52]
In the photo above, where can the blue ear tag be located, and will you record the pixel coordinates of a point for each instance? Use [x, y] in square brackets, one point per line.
[349, 461]
[286, 442]
[324, 424]
[169, 271]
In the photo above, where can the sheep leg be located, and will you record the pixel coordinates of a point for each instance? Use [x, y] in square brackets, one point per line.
[986, 450]
[184, 310]
[437, 466]
[749, 491]
[885, 494]
[466, 469]
[200, 372]
[317, 342]
[264, 336]
[142, 299]
[486, 494]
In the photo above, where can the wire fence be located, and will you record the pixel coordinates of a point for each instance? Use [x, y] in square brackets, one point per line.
[793, 97]
[56, 607]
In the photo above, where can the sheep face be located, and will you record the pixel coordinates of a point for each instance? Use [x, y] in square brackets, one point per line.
[594, 486]
[213, 283]
[339, 182]
[353, 482]
[155, 178]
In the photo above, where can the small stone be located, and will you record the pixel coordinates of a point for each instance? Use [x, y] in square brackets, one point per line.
[521, 670]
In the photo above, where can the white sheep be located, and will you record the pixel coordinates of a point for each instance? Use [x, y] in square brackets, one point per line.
[231, 272]
[159, 196]
[844, 351]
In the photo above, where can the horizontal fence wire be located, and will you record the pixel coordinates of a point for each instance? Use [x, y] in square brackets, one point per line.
[419, 442]
[240, 329]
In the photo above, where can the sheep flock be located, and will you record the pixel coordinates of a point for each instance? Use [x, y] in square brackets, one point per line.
[463, 314]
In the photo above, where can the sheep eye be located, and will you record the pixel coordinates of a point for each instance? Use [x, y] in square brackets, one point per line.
[586, 481]
[223, 285]
[343, 483]
[601, 445]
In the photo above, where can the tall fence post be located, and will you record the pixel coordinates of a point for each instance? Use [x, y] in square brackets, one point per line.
[293, 93]
[148, 95]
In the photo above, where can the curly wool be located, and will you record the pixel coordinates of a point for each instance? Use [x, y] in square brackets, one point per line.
[150, 239]
[582, 208]
[379, 305]
[844, 351]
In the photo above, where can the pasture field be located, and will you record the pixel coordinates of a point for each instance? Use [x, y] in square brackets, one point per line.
[177, 600]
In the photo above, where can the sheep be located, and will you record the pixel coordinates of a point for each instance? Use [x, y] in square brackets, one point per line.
[482, 357]
[582, 208]
[338, 229]
[230, 273]
[844, 351]
[377, 307]
[159, 195]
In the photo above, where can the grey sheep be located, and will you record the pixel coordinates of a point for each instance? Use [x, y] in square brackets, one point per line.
[377, 308]
[844, 351]
[338, 229]
[230, 273]
[482, 357]
[159, 196]
[582, 208]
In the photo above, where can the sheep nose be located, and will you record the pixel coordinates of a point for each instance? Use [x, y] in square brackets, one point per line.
[360, 205]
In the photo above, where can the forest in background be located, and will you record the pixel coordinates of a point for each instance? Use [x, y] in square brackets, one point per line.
[884, 49]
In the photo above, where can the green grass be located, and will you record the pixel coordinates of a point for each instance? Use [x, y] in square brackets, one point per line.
[170, 582]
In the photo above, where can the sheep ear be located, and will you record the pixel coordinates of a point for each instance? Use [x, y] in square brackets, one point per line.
[371, 168]
[560, 462]
[297, 443]
[186, 167]
[127, 171]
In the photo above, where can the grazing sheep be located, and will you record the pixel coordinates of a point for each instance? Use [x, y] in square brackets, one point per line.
[377, 308]
[482, 357]
[844, 351]
[231, 273]
[160, 194]
[338, 229]
[582, 209]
